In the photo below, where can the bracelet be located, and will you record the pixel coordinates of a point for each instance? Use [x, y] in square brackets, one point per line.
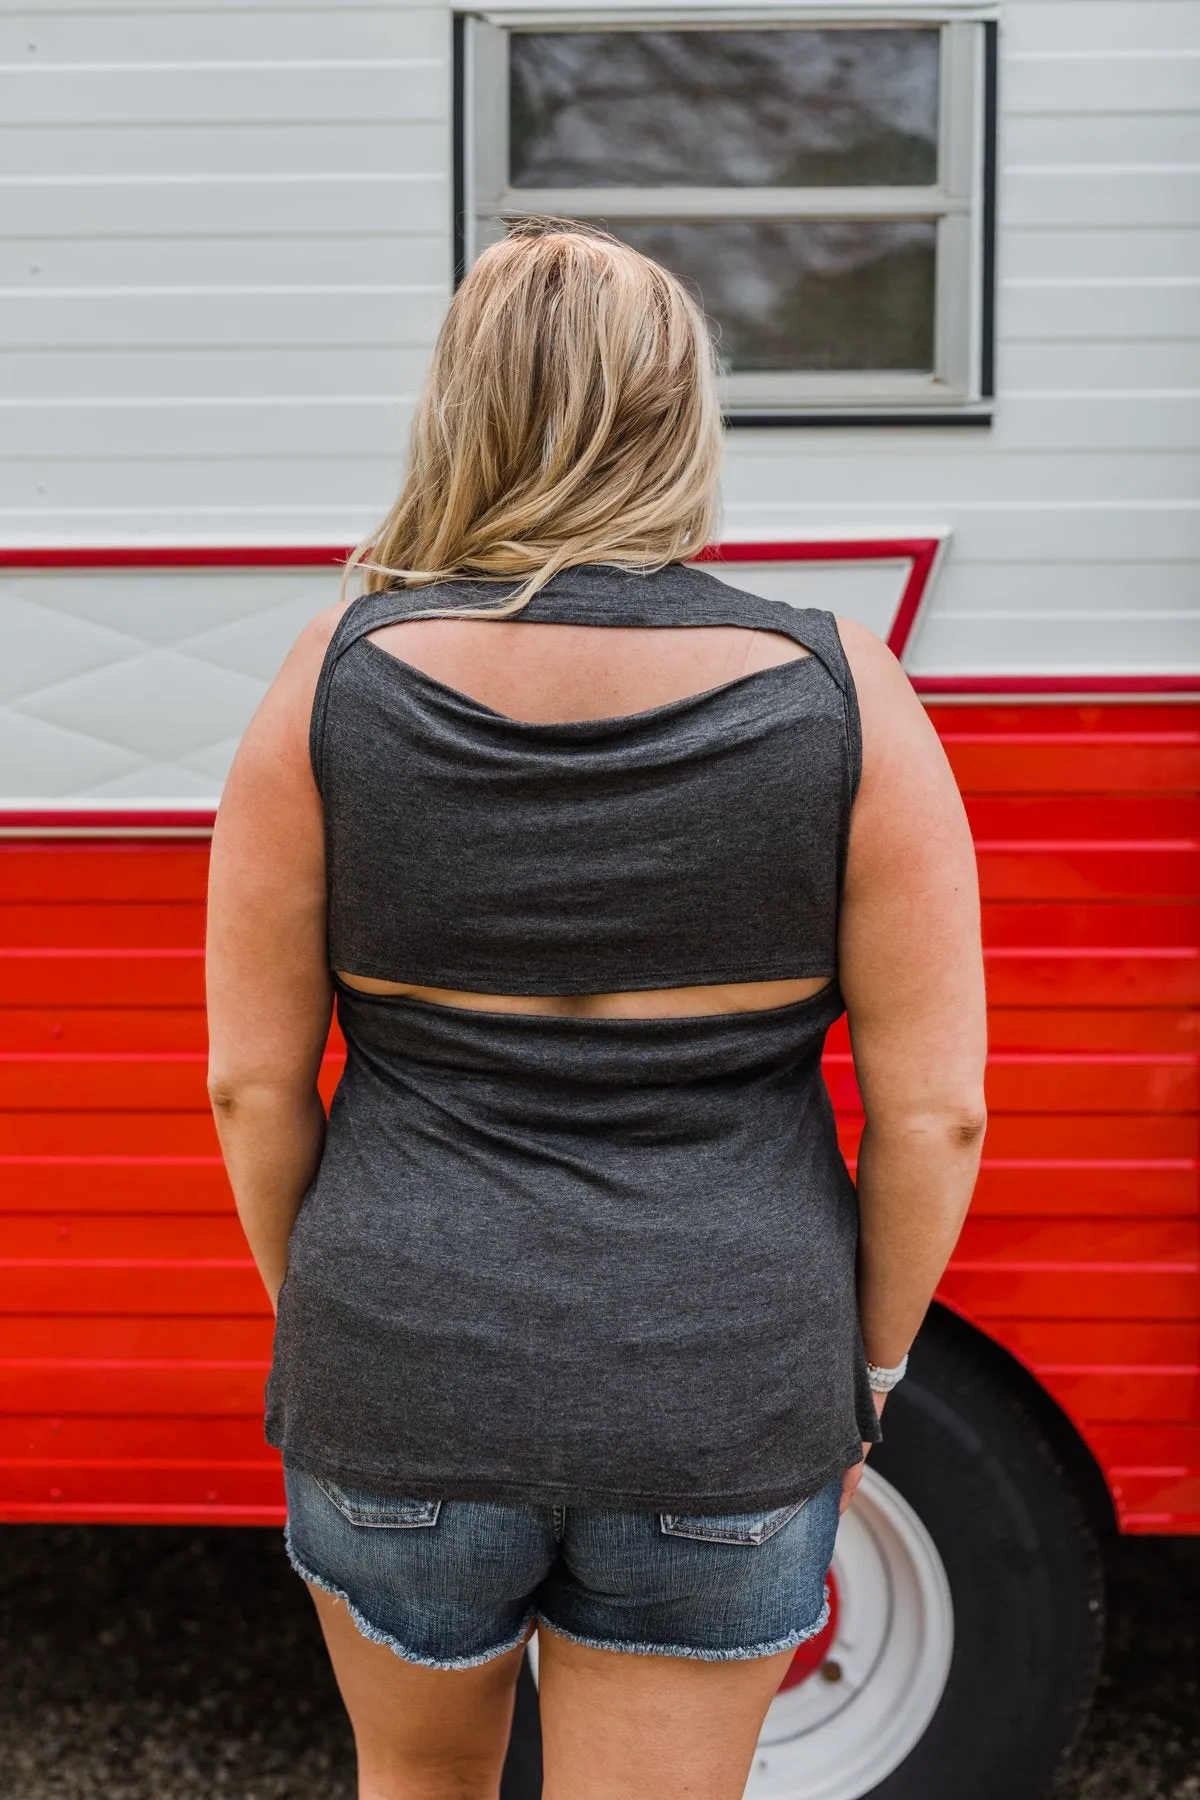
[882, 1381]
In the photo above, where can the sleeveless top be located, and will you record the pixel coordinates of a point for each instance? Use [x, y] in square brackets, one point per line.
[564, 1260]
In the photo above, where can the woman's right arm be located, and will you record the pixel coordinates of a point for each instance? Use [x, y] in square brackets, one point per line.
[911, 971]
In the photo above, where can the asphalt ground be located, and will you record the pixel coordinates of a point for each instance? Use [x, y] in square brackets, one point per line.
[170, 1664]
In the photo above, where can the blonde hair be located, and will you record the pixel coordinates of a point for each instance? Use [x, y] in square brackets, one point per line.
[570, 416]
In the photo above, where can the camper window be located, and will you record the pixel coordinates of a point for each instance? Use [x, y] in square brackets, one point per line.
[816, 186]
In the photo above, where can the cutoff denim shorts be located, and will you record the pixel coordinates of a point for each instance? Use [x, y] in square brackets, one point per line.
[450, 1584]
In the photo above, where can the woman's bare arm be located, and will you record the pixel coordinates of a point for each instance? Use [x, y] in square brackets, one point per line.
[269, 990]
[912, 975]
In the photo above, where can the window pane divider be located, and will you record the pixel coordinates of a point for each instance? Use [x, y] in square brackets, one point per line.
[728, 203]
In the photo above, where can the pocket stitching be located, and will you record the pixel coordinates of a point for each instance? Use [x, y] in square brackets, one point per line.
[690, 1525]
[377, 1520]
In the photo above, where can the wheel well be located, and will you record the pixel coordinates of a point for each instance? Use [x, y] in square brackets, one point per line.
[1056, 1427]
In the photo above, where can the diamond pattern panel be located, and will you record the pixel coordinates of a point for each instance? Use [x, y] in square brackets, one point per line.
[137, 685]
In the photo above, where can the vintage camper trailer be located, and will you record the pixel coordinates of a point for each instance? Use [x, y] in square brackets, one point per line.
[953, 252]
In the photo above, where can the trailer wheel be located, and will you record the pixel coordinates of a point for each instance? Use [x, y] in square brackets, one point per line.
[967, 1620]
[969, 1624]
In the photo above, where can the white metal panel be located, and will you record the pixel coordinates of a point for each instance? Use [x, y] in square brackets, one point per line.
[238, 232]
[1105, 81]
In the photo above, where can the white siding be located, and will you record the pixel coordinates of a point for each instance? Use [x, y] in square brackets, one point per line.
[225, 245]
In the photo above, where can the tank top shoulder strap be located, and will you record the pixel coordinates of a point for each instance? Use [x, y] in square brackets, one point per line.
[718, 603]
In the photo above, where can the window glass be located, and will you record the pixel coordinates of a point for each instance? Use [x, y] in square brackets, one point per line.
[800, 107]
[790, 294]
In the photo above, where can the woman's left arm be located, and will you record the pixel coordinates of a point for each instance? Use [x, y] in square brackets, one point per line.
[269, 989]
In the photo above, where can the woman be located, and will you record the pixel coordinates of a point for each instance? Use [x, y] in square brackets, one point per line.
[583, 1326]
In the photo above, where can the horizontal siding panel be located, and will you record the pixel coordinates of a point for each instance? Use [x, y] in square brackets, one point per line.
[1128, 138]
[121, 925]
[1103, 1082]
[1024, 536]
[1172, 1245]
[141, 1286]
[953, 478]
[157, 1134]
[339, 146]
[82, 1437]
[346, 313]
[102, 1484]
[401, 87]
[57, 1181]
[215, 205]
[1019, 978]
[1100, 194]
[107, 1030]
[1102, 588]
[1066, 26]
[1099, 363]
[994, 1289]
[1111, 84]
[26, 1338]
[1134, 308]
[82, 265]
[122, 873]
[271, 500]
[1087, 763]
[96, 978]
[1056, 1188]
[1107, 1396]
[1095, 817]
[118, 32]
[168, 1236]
[1073, 872]
[1079, 254]
[98, 1385]
[978, 641]
[364, 425]
[1102, 925]
[143, 371]
[1123, 1344]
[1099, 1029]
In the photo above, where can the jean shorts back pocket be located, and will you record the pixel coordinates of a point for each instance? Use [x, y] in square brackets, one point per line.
[382, 1511]
[729, 1528]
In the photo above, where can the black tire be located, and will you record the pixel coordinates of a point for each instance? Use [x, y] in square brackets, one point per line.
[1017, 1516]
[979, 1454]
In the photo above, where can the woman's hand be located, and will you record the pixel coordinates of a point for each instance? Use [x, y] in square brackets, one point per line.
[854, 1473]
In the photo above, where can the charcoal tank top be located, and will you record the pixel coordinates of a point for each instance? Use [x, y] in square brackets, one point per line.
[567, 1260]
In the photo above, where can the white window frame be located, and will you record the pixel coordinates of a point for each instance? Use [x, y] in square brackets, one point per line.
[954, 205]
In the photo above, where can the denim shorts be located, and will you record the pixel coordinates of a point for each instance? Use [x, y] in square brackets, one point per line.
[452, 1583]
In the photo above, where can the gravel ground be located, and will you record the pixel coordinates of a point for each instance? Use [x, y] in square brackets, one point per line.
[165, 1664]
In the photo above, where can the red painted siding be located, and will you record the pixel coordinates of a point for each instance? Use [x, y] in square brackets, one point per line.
[133, 1333]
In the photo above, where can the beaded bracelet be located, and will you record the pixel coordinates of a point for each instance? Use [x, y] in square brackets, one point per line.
[882, 1381]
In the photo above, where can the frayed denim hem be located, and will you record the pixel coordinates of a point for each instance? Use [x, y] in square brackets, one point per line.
[375, 1636]
[742, 1654]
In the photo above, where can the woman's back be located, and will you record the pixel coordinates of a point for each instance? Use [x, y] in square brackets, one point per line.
[696, 841]
[632, 1231]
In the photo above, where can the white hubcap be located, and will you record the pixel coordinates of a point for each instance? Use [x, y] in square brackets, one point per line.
[855, 1720]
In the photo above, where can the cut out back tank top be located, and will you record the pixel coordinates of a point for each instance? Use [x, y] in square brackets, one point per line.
[573, 1260]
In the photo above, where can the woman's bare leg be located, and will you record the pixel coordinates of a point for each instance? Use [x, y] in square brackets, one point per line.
[421, 1734]
[617, 1726]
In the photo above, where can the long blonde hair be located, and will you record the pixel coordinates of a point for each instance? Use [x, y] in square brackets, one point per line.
[570, 415]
